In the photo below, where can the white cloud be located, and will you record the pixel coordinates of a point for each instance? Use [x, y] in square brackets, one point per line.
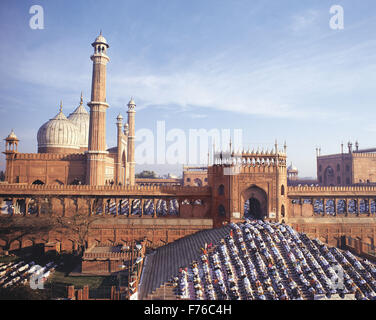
[304, 20]
[292, 84]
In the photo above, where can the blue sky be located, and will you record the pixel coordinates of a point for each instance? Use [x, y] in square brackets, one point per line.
[274, 69]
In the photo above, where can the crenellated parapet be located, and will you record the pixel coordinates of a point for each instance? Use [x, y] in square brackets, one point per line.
[331, 191]
[51, 156]
[363, 155]
[251, 158]
[114, 190]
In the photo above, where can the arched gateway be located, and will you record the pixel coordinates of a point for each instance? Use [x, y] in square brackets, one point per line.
[255, 203]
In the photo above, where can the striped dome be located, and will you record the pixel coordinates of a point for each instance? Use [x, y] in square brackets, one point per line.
[59, 132]
[81, 118]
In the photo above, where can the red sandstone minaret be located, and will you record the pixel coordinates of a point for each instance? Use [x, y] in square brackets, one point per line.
[11, 149]
[121, 156]
[96, 154]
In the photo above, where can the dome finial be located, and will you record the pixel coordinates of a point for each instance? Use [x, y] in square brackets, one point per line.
[61, 105]
[82, 99]
[131, 104]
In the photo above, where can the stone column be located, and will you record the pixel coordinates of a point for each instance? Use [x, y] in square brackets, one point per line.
[130, 206]
[119, 207]
[155, 201]
[14, 203]
[71, 293]
[116, 207]
[85, 295]
[90, 203]
[27, 201]
[168, 206]
[357, 207]
[104, 205]
[38, 206]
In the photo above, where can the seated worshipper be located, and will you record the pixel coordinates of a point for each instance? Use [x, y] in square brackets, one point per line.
[218, 274]
[271, 293]
[312, 293]
[371, 268]
[210, 295]
[199, 294]
[253, 275]
[298, 269]
[260, 290]
[197, 280]
[204, 259]
[176, 280]
[303, 280]
[359, 295]
[295, 293]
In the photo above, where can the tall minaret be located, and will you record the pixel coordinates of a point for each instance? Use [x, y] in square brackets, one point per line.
[119, 174]
[96, 154]
[131, 140]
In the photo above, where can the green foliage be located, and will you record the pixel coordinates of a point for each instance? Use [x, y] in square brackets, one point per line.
[147, 175]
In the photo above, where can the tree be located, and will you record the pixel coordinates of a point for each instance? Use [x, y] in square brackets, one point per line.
[146, 174]
[78, 225]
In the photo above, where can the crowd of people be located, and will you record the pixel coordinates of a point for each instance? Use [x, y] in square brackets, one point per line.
[15, 273]
[163, 208]
[271, 261]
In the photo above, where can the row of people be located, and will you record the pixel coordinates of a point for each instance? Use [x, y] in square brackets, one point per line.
[263, 260]
[21, 273]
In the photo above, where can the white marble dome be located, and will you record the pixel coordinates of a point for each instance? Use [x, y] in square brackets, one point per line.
[100, 39]
[81, 118]
[58, 132]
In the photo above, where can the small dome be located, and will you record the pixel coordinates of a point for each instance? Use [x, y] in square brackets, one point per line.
[131, 104]
[119, 117]
[81, 118]
[58, 132]
[11, 136]
[100, 39]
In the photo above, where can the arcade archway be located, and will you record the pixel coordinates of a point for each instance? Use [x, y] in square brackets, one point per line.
[255, 203]
[329, 177]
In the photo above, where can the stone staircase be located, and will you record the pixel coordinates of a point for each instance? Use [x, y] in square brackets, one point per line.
[164, 263]
[164, 292]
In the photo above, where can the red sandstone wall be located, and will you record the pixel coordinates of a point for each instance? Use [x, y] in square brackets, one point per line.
[49, 168]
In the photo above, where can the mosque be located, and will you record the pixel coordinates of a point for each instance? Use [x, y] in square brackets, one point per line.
[72, 150]
[75, 170]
